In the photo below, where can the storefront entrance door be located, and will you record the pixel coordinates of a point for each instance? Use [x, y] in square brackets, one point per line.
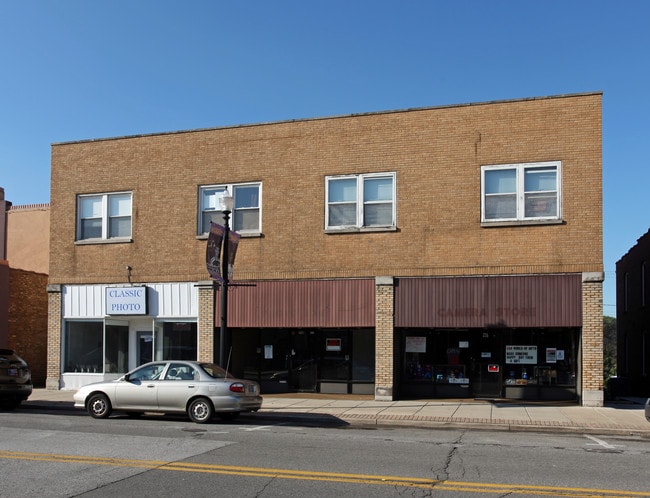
[145, 347]
[303, 362]
[486, 380]
[486, 368]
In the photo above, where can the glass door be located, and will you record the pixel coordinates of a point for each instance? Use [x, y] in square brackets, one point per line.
[145, 346]
[303, 362]
[486, 367]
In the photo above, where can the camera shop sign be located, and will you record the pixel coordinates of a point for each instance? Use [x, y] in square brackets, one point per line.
[521, 355]
[126, 300]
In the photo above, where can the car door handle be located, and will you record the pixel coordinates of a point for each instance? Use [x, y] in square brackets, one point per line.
[191, 386]
[150, 386]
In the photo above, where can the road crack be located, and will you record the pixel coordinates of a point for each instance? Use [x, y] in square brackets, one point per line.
[442, 474]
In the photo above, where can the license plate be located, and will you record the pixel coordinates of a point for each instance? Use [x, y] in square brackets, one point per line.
[13, 372]
[252, 389]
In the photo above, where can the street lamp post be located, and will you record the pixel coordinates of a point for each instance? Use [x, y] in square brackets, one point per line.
[226, 208]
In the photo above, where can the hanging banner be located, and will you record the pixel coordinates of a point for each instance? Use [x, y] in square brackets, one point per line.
[233, 243]
[213, 250]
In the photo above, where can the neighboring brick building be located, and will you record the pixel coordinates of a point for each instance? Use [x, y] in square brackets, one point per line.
[447, 251]
[633, 318]
[23, 281]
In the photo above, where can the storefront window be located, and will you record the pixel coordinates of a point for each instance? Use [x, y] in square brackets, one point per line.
[117, 349]
[439, 356]
[83, 347]
[545, 358]
[517, 363]
[176, 341]
[303, 360]
[335, 361]
[363, 356]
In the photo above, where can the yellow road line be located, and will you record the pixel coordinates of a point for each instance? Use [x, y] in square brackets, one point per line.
[416, 482]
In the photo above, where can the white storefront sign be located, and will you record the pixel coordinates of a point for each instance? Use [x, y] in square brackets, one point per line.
[415, 344]
[521, 355]
[126, 300]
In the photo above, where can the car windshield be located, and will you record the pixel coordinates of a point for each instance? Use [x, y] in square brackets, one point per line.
[147, 372]
[215, 371]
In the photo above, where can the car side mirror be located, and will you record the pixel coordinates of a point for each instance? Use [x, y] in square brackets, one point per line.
[126, 378]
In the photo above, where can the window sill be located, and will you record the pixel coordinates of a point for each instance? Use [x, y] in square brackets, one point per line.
[250, 235]
[87, 242]
[332, 231]
[519, 223]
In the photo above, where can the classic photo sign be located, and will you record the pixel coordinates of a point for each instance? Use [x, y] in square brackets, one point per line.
[126, 300]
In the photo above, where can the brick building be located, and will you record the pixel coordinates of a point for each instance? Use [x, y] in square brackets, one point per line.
[633, 318]
[24, 260]
[446, 251]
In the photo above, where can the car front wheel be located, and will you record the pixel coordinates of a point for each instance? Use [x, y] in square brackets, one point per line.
[200, 410]
[99, 406]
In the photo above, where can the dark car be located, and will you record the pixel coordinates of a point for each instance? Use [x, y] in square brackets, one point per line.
[647, 410]
[15, 379]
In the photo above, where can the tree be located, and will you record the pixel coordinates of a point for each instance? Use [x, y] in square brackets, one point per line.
[609, 347]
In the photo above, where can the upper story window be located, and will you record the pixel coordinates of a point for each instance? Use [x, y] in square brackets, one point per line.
[643, 272]
[360, 201]
[104, 216]
[521, 192]
[626, 288]
[246, 217]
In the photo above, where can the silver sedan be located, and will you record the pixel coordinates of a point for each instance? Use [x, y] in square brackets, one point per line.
[201, 390]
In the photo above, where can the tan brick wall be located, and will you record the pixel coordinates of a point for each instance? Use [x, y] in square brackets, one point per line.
[54, 308]
[28, 237]
[206, 322]
[592, 344]
[384, 339]
[436, 153]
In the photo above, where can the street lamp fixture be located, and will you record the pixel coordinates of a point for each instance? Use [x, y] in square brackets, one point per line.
[226, 203]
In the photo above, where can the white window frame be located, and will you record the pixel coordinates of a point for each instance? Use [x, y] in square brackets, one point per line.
[361, 203]
[520, 193]
[105, 216]
[232, 189]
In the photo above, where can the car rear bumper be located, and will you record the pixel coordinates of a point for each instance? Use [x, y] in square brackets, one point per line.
[237, 403]
[15, 391]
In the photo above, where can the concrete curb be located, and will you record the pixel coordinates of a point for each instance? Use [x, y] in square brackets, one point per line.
[458, 424]
[313, 418]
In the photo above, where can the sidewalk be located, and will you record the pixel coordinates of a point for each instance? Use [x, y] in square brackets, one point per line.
[623, 417]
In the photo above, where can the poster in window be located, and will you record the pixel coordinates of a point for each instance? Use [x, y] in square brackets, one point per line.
[521, 355]
[551, 355]
[416, 344]
[332, 344]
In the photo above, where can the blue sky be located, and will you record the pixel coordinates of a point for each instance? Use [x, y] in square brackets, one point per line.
[78, 69]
